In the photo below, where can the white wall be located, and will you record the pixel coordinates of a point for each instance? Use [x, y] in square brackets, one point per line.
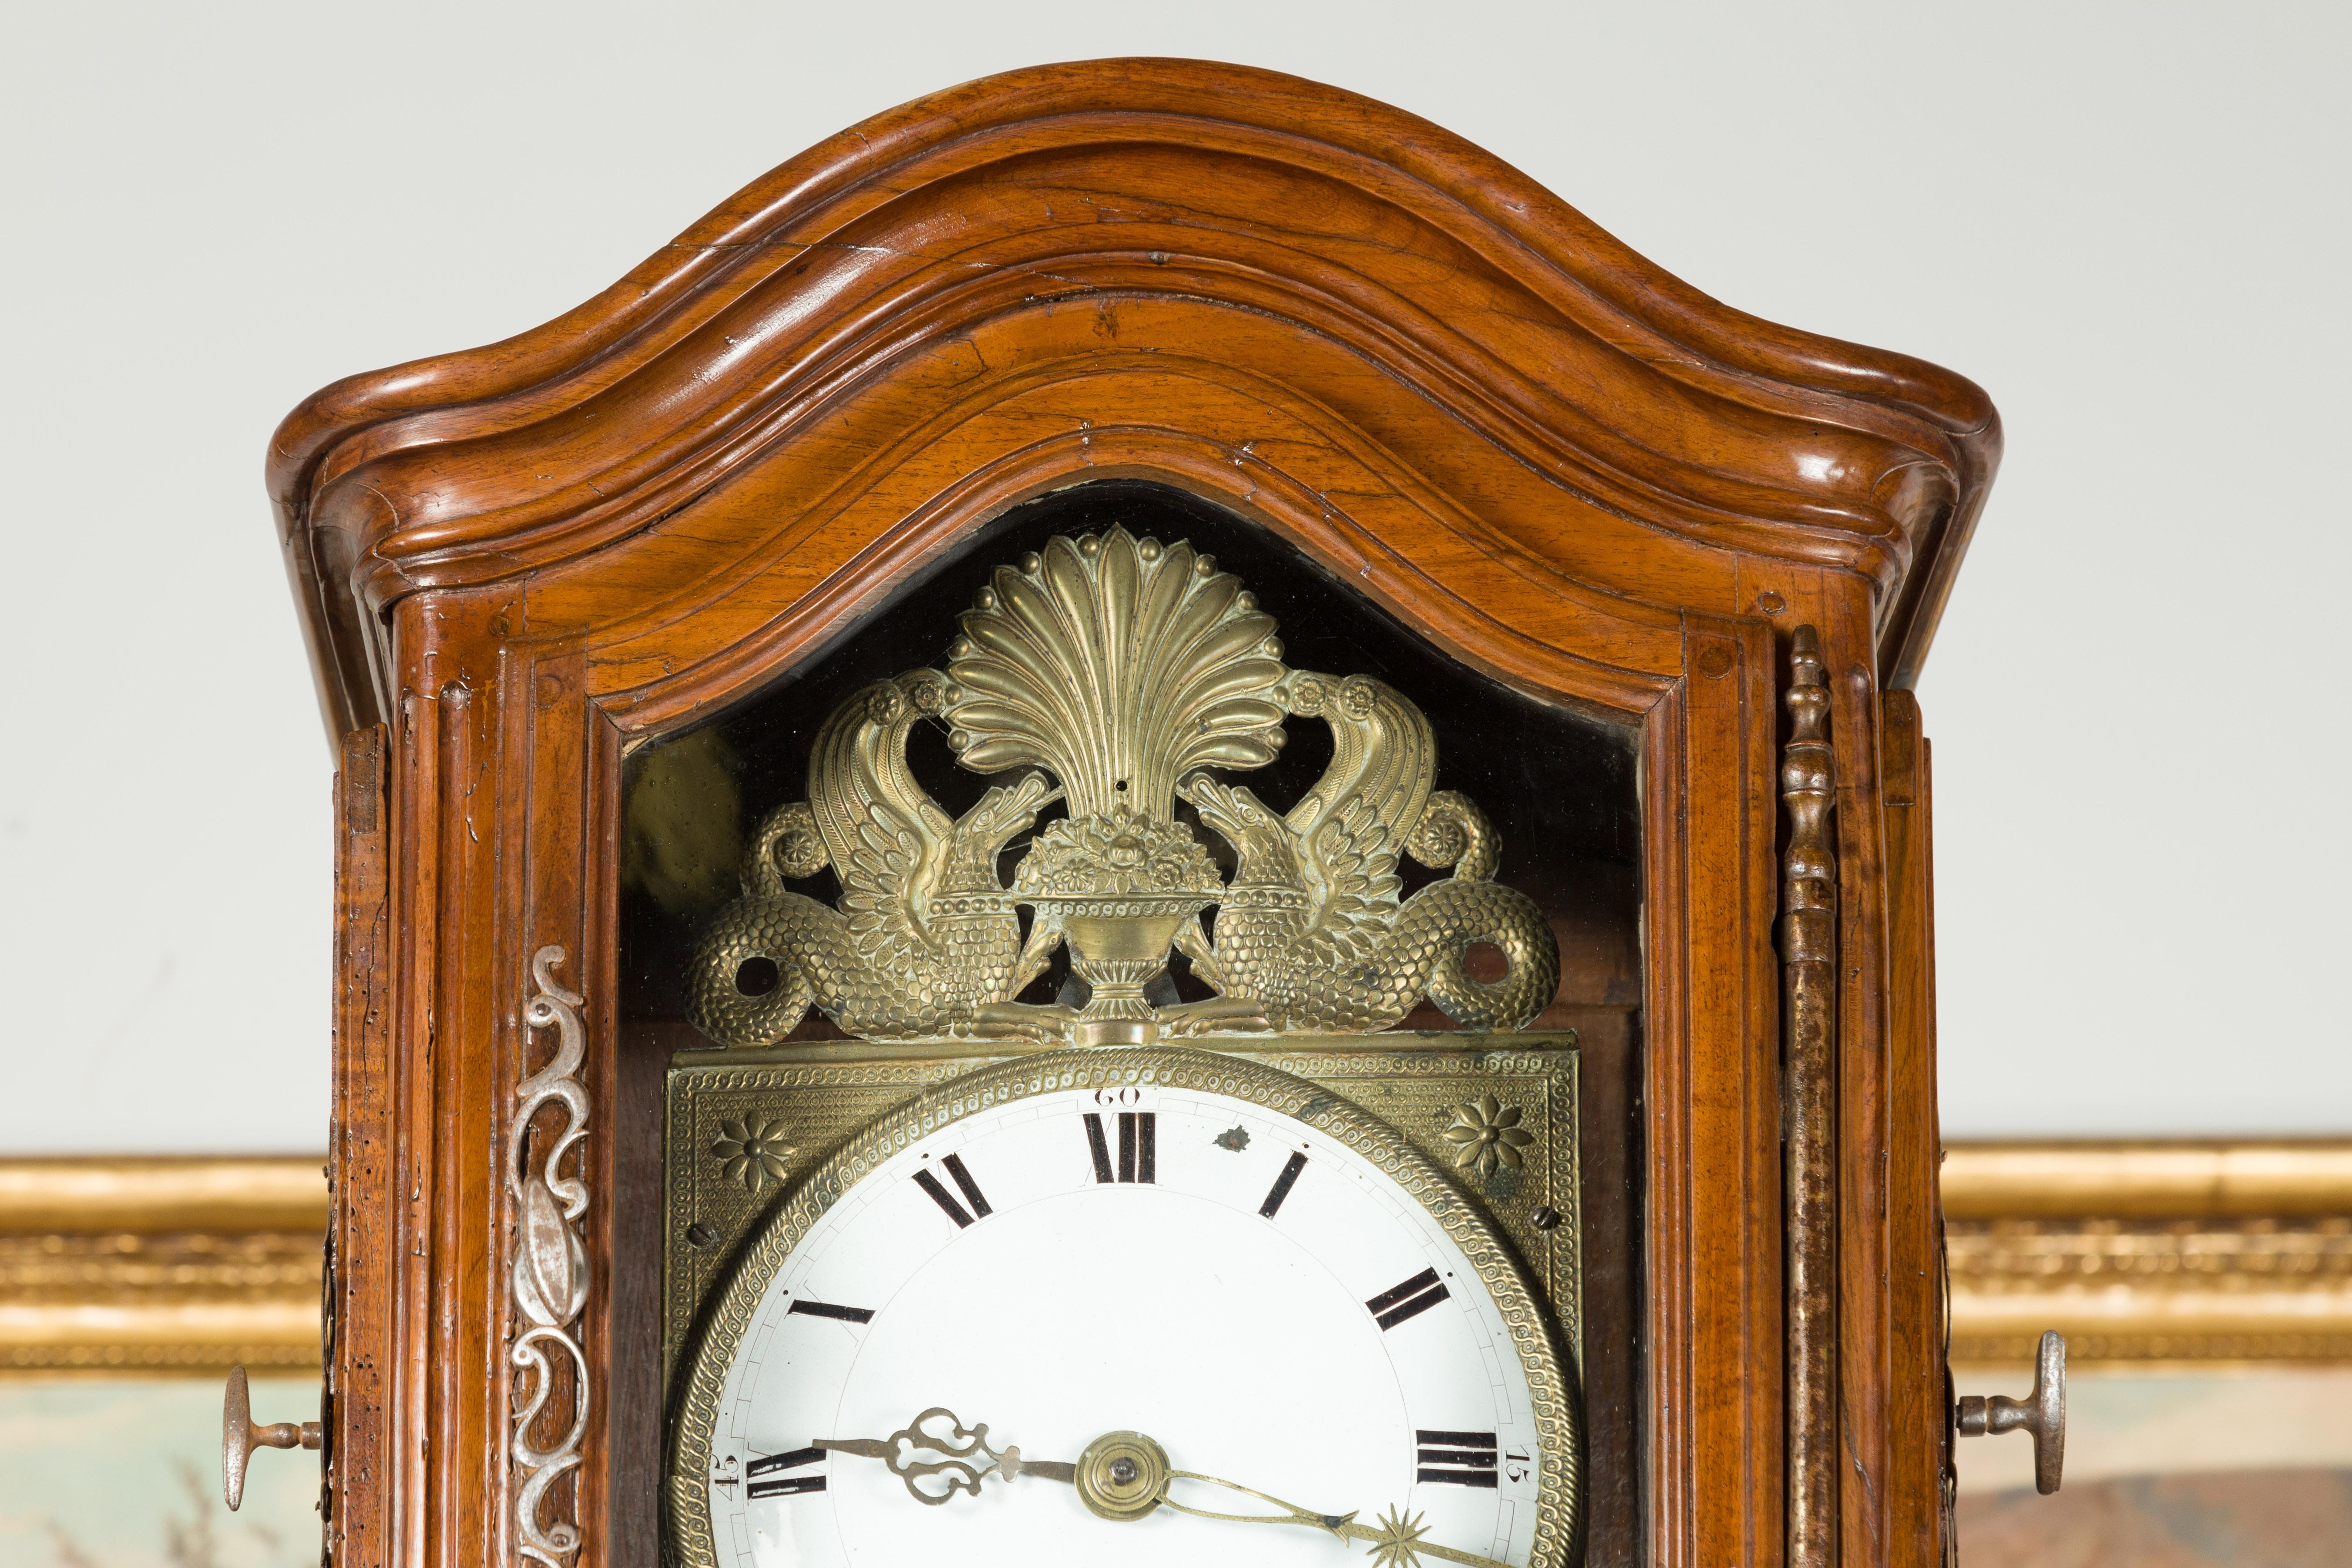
[2129, 223]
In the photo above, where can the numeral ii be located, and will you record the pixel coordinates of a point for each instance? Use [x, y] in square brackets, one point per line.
[1410, 1300]
[939, 1194]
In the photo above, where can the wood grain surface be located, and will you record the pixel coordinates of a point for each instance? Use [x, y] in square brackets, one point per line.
[360, 1334]
[1561, 465]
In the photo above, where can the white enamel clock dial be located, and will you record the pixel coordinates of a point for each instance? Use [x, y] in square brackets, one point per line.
[1255, 1294]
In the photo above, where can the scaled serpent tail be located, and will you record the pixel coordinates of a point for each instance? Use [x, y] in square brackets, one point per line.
[796, 934]
[1356, 965]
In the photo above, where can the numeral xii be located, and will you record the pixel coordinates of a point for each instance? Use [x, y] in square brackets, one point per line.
[1138, 1147]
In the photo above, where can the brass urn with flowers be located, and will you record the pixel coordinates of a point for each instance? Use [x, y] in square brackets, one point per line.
[1119, 666]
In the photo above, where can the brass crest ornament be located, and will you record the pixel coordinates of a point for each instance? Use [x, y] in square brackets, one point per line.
[1121, 674]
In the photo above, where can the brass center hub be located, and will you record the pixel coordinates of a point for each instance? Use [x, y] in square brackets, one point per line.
[1122, 1475]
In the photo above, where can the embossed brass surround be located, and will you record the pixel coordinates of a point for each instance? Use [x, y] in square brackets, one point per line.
[1371, 1105]
[822, 1096]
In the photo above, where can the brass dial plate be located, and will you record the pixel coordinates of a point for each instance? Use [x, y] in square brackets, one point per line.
[817, 1097]
[760, 1144]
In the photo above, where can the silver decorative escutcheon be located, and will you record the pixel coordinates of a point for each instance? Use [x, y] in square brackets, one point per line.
[549, 1278]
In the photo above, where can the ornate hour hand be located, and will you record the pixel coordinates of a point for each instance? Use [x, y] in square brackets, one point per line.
[935, 1466]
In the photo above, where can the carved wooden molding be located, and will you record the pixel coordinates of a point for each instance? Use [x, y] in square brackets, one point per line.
[1130, 188]
[1809, 1037]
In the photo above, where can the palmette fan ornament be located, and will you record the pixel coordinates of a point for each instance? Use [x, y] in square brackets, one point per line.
[1120, 675]
[1119, 665]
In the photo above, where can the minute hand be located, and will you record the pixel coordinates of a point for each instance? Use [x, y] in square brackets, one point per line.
[1396, 1541]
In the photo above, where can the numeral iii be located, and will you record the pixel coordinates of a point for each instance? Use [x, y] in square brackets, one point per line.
[1457, 1459]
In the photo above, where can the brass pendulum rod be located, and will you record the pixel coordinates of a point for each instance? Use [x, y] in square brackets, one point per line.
[1808, 1033]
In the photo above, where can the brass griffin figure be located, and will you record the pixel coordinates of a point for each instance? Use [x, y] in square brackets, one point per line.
[1117, 670]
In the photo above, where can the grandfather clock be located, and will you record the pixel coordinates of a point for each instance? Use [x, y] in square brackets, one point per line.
[1146, 816]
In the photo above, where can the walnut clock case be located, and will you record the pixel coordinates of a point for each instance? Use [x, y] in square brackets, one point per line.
[1067, 839]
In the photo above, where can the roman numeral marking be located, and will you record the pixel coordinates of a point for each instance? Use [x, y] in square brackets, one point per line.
[771, 1463]
[1282, 1186]
[954, 1163]
[1456, 1440]
[784, 1486]
[1138, 1147]
[1410, 1300]
[1457, 1458]
[954, 1210]
[930, 1185]
[1098, 1147]
[827, 1309]
[790, 1486]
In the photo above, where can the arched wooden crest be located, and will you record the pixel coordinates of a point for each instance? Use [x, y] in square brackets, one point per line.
[1562, 465]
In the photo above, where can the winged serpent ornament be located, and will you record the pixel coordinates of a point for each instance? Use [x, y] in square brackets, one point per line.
[1119, 675]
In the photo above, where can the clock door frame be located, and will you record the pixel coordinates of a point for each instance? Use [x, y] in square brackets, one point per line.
[1554, 461]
